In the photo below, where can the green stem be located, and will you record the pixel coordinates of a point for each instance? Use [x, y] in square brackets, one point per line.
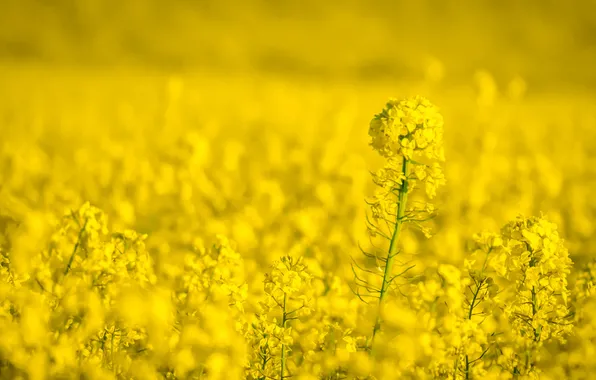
[473, 303]
[470, 314]
[534, 311]
[264, 363]
[112, 349]
[401, 209]
[76, 247]
[283, 347]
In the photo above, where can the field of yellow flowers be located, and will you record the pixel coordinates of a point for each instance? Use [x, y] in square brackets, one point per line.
[179, 226]
[278, 190]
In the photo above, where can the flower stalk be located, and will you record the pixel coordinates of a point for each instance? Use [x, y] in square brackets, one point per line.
[392, 253]
[283, 346]
[405, 131]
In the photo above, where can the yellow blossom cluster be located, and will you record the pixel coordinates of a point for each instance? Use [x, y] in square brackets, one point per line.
[408, 127]
[94, 304]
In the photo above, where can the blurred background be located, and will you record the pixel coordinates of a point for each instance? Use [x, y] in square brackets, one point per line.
[548, 43]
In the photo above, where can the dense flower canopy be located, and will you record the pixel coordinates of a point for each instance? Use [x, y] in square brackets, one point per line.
[156, 243]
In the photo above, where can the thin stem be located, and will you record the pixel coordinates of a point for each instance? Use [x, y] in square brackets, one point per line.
[263, 363]
[76, 247]
[401, 208]
[534, 311]
[473, 304]
[283, 347]
[112, 348]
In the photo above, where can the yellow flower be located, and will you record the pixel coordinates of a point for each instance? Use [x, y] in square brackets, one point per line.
[408, 126]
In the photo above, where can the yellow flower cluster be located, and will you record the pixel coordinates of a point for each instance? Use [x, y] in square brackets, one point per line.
[492, 319]
[287, 287]
[94, 305]
[408, 127]
[539, 264]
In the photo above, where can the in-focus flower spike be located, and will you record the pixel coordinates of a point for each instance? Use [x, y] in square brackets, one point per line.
[409, 134]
